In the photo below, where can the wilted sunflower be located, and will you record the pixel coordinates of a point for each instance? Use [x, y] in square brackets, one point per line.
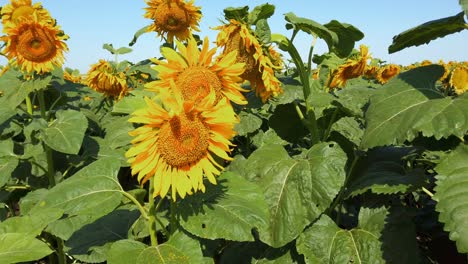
[176, 18]
[459, 79]
[103, 77]
[176, 143]
[195, 73]
[72, 77]
[36, 46]
[385, 73]
[260, 62]
[352, 68]
[18, 10]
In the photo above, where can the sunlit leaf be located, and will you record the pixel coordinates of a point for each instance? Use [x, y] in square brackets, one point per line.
[30, 225]
[164, 253]
[16, 247]
[140, 32]
[248, 123]
[287, 183]
[236, 13]
[349, 128]
[233, 202]
[7, 166]
[259, 12]
[325, 242]
[409, 104]
[65, 134]
[428, 31]
[190, 245]
[347, 37]
[451, 194]
[125, 251]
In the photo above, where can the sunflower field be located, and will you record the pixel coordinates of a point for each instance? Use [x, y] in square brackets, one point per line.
[231, 150]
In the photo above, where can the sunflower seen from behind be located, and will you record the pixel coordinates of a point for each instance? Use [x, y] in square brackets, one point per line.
[35, 46]
[352, 68]
[173, 18]
[105, 78]
[197, 74]
[177, 142]
[387, 72]
[261, 61]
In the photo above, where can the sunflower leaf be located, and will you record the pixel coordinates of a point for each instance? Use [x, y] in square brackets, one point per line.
[140, 32]
[124, 251]
[164, 253]
[16, 247]
[262, 31]
[410, 104]
[451, 194]
[65, 134]
[261, 12]
[428, 31]
[464, 5]
[236, 13]
[325, 242]
[347, 37]
[233, 202]
[288, 182]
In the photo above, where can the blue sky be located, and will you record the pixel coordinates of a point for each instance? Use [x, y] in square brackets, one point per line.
[90, 24]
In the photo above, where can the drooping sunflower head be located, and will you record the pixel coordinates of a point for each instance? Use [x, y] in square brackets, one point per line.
[352, 68]
[36, 46]
[459, 79]
[261, 61]
[19, 10]
[196, 74]
[177, 143]
[103, 77]
[72, 76]
[173, 18]
[387, 72]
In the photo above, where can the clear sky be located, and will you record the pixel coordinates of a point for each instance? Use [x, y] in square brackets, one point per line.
[90, 24]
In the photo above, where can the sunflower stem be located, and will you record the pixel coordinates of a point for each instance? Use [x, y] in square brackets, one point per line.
[29, 105]
[173, 215]
[62, 258]
[142, 210]
[152, 214]
[304, 76]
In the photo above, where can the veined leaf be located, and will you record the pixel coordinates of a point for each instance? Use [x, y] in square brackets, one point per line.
[347, 36]
[297, 190]
[428, 31]
[66, 133]
[261, 12]
[237, 13]
[16, 247]
[325, 242]
[7, 166]
[124, 251]
[190, 245]
[30, 225]
[248, 123]
[233, 202]
[451, 194]
[140, 32]
[164, 253]
[409, 104]
[92, 190]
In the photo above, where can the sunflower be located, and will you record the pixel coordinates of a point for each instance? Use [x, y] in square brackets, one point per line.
[103, 77]
[36, 45]
[177, 142]
[352, 68]
[195, 74]
[176, 18]
[19, 10]
[72, 76]
[260, 62]
[385, 73]
[459, 79]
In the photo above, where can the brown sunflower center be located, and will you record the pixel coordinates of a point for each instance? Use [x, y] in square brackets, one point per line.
[183, 140]
[235, 42]
[171, 18]
[22, 11]
[37, 45]
[196, 83]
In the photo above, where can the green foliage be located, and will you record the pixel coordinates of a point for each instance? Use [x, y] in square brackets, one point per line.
[429, 31]
[451, 195]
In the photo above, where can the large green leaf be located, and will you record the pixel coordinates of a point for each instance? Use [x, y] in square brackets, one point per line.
[164, 253]
[255, 252]
[259, 12]
[248, 123]
[451, 194]
[325, 242]
[409, 104]
[188, 244]
[65, 134]
[91, 242]
[92, 190]
[428, 31]
[354, 99]
[16, 247]
[125, 251]
[383, 171]
[7, 166]
[349, 128]
[233, 202]
[30, 225]
[297, 190]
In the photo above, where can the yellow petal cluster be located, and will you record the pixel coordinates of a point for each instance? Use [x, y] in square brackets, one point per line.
[103, 77]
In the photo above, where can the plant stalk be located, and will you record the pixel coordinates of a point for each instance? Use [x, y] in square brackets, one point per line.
[152, 214]
[29, 105]
[173, 215]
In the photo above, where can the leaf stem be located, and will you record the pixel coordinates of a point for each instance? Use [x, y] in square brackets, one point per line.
[427, 192]
[152, 214]
[326, 134]
[29, 105]
[142, 210]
